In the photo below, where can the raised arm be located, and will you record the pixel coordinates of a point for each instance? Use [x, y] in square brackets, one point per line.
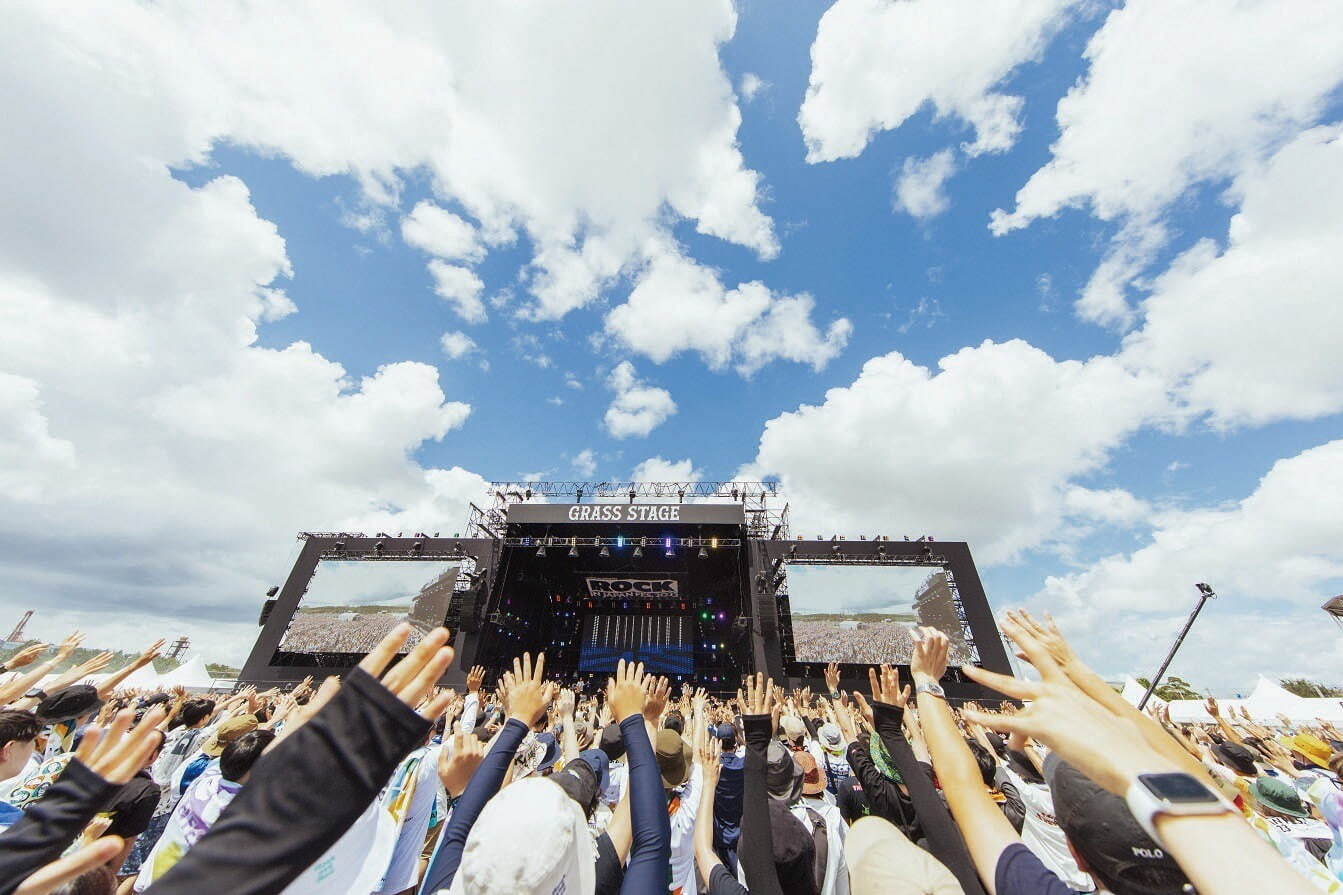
[109, 686]
[634, 698]
[755, 849]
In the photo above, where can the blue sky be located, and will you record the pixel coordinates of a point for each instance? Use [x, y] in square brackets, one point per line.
[1080, 390]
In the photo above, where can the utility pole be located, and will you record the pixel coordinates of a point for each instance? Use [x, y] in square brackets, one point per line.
[1205, 593]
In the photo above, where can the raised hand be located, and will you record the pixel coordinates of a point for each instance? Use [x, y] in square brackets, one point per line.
[656, 700]
[1210, 704]
[149, 654]
[528, 693]
[564, 705]
[68, 646]
[760, 697]
[886, 687]
[414, 677]
[25, 656]
[929, 660]
[698, 701]
[117, 753]
[94, 665]
[475, 678]
[56, 874]
[1047, 632]
[832, 677]
[458, 763]
[707, 754]
[625, 692]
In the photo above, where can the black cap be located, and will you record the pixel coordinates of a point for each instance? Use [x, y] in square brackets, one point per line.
[580, 783]
[1099, 826]
[612, 743]
[1236, 757]
[68, 704]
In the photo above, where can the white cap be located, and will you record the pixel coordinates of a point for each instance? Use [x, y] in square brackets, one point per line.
[883, 862]
[530, 838]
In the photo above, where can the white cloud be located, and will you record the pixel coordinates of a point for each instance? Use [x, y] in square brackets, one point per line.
[1252, 332]
[571, 381]
[457, 344]
[985, 450]
[1113, 506]
[678, 305]
[752, 85]
[441, 233]
[585, 463]
[919, 190]
[875, 64]
[658, 469]
[459, 287]
[637, 408]
[31, 459]
[1271, 557]
[1222, 84]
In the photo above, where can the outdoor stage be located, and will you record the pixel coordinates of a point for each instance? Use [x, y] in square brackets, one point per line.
[693, 579]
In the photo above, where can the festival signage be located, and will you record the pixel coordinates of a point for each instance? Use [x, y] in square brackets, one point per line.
[606, 588]
[637, 513]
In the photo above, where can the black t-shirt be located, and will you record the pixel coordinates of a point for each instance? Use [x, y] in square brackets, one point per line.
[1020, 872]
[133, 806]
[851, 800]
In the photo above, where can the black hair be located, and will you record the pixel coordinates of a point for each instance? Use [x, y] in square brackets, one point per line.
[984, 758]
[674, 721]
[239, 756]
[98, 881]
[192, 712]
[16, 724]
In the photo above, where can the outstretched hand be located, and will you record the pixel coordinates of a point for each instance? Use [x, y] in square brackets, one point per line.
[886, 686]
[25, 656]
[414, 677]
[760, 697]
[527, 694]
[626, 691]
[117, 753]
[832, 677]
[458, 761]
[656, 699]
[929, 660]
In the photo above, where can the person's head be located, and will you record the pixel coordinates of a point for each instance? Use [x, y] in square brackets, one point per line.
[1336, 764]
[612, 742]
[831, 738]
[794, 731]
[98, 881]
[18, 738]
[579, 782]
[883, 862]
[987, 766]
[1105, 839]
[794, 851]
[71, 704]
[1274, 798]
[813, 776]
[674, 721]
[236, 761]
[227, 732]
[531, 838]
[674, 758]
[783, 777]
[726, 735]
[193, 714]
[1237, 758]
[1310, 749]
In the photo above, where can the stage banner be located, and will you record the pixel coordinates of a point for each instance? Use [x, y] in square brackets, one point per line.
[645, 513]
[605, 588]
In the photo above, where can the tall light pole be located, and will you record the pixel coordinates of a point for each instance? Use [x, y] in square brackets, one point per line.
[1205, 593]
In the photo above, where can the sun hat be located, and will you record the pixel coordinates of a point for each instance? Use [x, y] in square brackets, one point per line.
[813, 778]
[793, 728]
[882, 861]
[68, 704]
[673, 755]
[1236, 757]
[558, 855]
[1311, 746]
[783, 777]
[228, 731]
[1279, 796]
[832, 740]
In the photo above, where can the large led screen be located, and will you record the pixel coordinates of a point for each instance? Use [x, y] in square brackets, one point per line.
[664, 643]
[351, 605]
[865, 614]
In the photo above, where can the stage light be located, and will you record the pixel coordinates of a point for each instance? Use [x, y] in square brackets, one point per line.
[339, 546]
[703, 554]
[541, 551]
[273, 590]
[670, 550]
[713, 542]
[620, 540]
[417, 547]
[605, 551]
[573, 552]
[835, 548]
[881, 550]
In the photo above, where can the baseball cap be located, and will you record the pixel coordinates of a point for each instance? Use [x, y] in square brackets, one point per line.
[228, 731]
[600, 764]
[782, 775]
[612, 742]
[558, 856]
[68, 704]
[551, 753]
[579, 782]
[883, 862]
[813, 778]
[1236, 757]
[793, 728]
[1281, 797]
[1100, 827]
[673, 754]
[832, 740]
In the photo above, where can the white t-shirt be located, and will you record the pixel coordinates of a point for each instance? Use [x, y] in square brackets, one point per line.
[836, 869]
[683, 835]
[403, 869]
[1040, 831]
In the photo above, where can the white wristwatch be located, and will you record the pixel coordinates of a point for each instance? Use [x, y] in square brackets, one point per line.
[1171, 793]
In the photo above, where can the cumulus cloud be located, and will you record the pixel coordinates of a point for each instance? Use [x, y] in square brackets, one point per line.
[637, 408]
[659, 469]
[752, 85]
[679, 305]
[1271, 556]
[441, 233]
[874, 64]
[985, 449]
[585, 463]
[459, 287]
[919, 190]
[457, 344]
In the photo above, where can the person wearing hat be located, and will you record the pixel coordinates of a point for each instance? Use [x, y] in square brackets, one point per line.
[882, 861]
[1277, 812]
[1308, 751]
[681, 779]
[832, 759]
[728, 793]
[822, 819]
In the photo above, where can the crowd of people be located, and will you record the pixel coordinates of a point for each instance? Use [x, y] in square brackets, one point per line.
[387, 783]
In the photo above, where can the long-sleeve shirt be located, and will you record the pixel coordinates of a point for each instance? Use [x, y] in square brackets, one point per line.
[756, 847]
[51, 823]
[302, 796]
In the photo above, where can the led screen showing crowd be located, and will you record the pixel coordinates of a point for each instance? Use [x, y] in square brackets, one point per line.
[866, 614]
[351, 605]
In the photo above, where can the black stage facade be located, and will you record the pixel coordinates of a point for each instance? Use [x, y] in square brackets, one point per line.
[702, 581]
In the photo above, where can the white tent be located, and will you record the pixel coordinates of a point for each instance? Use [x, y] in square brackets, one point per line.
[191, 674]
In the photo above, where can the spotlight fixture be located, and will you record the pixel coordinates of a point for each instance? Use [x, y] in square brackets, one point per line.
[713, 542]
[580, 496]
[528, 493]
[632, 495]
[671, 551]
[272, 591]
[926, 552]
[541, 551]
[1205, 590]
[792, 551]
[338, 547]
[881, 550]
[417, 547]
[573, 552]
[605, 551]
[703, 554]
[639, 549]
[377, 548]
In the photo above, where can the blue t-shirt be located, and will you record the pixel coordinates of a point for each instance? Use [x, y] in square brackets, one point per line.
[1020, 872]
[9, 816]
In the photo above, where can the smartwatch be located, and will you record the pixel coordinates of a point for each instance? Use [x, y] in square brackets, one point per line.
[1173, 793]
[932, 688]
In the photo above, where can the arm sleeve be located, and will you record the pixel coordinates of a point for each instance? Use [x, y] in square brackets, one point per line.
[51, 823]
[944, 837]
[470, 713]
[485, 782]
[650, 853]
[302, 797]
[755, 849]
[721, 882]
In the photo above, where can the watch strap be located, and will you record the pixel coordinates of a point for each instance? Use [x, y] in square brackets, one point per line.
[932, 688]
[1147, 807]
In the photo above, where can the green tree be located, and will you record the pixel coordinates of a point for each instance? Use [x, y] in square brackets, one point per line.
[1310, 689]
[1173, 687]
